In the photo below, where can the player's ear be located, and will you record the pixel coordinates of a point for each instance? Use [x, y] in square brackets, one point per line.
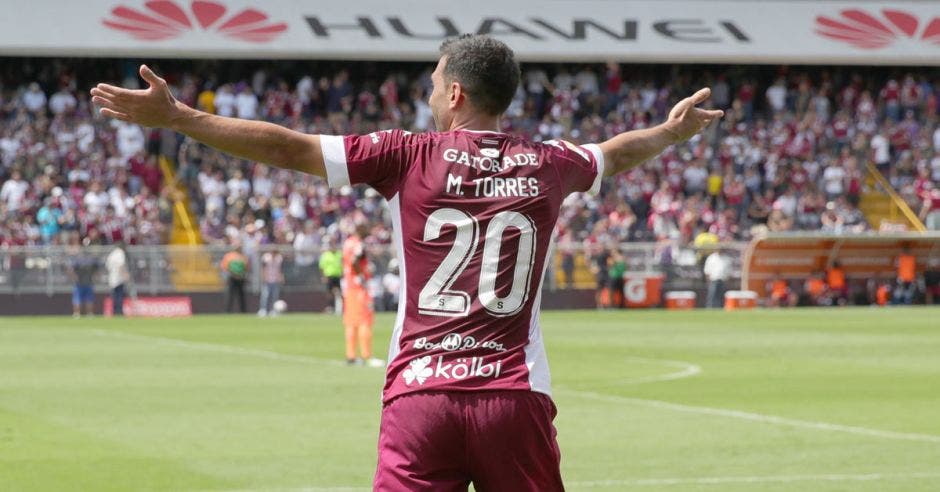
[456, 95]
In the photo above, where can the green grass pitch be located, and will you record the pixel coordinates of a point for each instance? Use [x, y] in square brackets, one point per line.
[809, 400]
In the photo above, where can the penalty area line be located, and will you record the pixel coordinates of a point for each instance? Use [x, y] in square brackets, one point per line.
[756, 417]
[220, 348]
[839, 477]
[653, 482]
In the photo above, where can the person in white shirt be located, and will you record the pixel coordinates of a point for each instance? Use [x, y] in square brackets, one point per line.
[834, 180]
[34, 99]
[881, 152]
[717, 270]
[130, 139]
[391, 283]
[13, 191]
[9, 147]
[247, 104]
[62, 102]
[118, 276]
[777, 96]
[238, 186]
[96, 200]
[271, 279]
[695, 177]
[213, 191]
[225, 101]
[261, 183]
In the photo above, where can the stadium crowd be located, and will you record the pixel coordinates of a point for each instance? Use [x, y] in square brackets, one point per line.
[789, 155]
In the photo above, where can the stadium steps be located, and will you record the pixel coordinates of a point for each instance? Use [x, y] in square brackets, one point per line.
[192, 267]
[884, 209]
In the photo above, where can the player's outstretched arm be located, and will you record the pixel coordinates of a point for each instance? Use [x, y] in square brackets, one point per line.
[630, 149]
[254, 140]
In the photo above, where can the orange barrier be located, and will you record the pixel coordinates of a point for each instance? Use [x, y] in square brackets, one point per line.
[680, 299]
[642, 290]
[740, 299]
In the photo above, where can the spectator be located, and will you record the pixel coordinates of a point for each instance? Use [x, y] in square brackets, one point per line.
[225, 101]
[82, 269]
[235, 270]
[62, 102]
[930, 210]
[34, 99]
[13, 192]
[391, 284]
[271, 279]
[246, 104]
[118, 276]
[130, 139]
[717, 271]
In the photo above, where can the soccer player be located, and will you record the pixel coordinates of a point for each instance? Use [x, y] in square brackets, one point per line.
[467, 391]
[357, 303]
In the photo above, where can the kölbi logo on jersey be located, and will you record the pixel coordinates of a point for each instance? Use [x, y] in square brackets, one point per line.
[865, 30]
[166, 19]
[419, 369]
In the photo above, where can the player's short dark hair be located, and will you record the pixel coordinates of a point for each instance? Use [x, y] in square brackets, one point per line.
[486, 69]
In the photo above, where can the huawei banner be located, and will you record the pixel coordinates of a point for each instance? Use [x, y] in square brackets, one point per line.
[796, 31]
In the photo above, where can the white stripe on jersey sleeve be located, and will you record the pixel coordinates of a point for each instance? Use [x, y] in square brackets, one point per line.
[599, 158]
[334, 159]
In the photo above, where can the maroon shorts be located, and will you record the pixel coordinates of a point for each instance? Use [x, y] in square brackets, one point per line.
[443, 441]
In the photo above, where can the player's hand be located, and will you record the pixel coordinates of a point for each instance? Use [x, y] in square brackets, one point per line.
[685, 119]
[153, 107]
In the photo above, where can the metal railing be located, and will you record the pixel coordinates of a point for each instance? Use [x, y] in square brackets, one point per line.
[898, 205]
[46, 269]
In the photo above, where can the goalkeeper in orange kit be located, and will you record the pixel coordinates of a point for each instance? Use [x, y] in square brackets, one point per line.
[357, 303]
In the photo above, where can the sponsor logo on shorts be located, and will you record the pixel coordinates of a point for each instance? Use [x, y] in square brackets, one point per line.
[422, 368]
[456, 341]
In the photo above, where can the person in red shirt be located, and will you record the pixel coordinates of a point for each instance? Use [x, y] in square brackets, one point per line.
[930, 210]
[467, 391]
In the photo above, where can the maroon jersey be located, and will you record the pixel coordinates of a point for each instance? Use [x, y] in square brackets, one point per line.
[473, 215]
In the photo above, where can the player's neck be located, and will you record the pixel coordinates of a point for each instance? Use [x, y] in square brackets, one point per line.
[475, 122]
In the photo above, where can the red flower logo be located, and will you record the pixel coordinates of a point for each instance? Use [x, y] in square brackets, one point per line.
[165, 19]
[864, 30]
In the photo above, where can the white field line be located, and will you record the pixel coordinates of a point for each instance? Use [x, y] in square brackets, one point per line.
[756, 417]
[652, 482]
[865, 477]
[221, 348]
[719, 412]
[687, 370]
[304, 489]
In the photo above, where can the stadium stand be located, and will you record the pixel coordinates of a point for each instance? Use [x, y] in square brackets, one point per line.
[841, 151]
[792, 154]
